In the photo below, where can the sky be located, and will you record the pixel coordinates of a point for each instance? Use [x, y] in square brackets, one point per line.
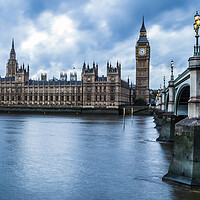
[57, 36]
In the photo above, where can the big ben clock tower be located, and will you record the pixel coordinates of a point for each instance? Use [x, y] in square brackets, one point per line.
[142, 65]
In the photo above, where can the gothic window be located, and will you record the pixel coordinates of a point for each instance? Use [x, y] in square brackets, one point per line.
[89, 98]
[112, 78]
[112, 97]
[88, 79]
[112, 88]
[79, 98]
[89, 89]
[67, 90]
[67, 98]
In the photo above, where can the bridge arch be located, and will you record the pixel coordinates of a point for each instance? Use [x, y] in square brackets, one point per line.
[181, 100]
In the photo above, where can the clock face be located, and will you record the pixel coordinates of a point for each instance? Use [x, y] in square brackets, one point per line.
[142, 51]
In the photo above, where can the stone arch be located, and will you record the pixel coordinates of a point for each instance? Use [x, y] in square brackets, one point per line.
[181, 100]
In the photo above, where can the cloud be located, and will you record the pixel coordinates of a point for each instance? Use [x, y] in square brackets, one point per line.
[57, 36]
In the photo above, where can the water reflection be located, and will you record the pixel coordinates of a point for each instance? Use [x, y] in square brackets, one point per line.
[84, 157]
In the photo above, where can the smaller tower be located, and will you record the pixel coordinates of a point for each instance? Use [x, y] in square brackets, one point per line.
[12, 66]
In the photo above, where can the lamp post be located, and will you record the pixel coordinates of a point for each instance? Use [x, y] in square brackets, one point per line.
[196, 28]
[172, 67]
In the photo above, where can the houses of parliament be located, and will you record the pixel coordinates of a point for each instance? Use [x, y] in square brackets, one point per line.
[16, 88]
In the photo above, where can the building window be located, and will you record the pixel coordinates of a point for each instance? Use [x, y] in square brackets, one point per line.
[56, 90]
[96, 97]
[112, 88]
[46, 98]
[25, 98]
[89, 98]
[62, 90]
[112, 78]
[62, 98]
[35, 98]
[89, 89]
[104, 88]
[67, 90]
[40, 98]
[112, 97]
[31, 98]
[2, 98]
[56, 98]
[13, 98]
[51, 98]
[79, 98]
[73, 90]
[19, 98]
[73, 98]
[79, 89]
[89, 79]
[67, 98]
[104, 97]
[100, 98]
[7, 98]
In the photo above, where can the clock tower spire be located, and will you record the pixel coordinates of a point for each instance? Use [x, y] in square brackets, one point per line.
[142, 65]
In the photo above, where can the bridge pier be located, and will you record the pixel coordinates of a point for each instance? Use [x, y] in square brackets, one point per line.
[185, 164]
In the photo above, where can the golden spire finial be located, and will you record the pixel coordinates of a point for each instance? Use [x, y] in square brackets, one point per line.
[160, 86]
[172, 64]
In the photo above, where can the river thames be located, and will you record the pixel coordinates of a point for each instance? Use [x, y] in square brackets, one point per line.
[84, 157]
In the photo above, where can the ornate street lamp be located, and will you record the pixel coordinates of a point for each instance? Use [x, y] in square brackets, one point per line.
[172, 67]
[196, 28]
[164, 82]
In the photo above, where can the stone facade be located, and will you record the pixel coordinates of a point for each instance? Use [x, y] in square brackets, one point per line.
[91, 91]
[142, 65]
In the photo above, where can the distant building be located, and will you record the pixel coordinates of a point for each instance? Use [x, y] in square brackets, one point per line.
[91, 91]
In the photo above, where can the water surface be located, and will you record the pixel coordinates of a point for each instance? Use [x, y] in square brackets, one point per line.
[84, 157]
